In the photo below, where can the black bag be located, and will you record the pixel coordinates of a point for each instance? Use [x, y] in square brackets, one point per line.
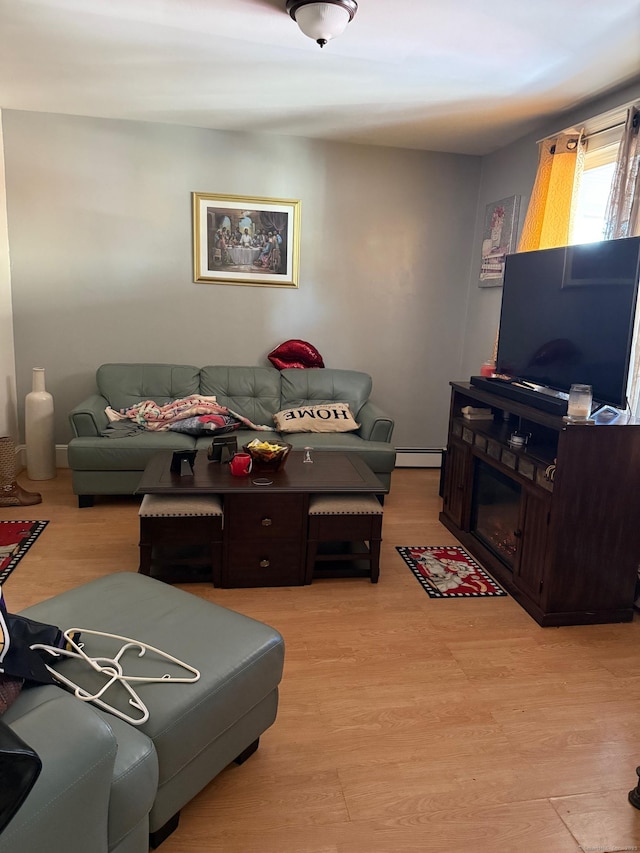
[17, 635]
[20, 659]
[20, 766]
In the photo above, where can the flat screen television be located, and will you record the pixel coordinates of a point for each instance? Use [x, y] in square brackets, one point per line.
[567, 316]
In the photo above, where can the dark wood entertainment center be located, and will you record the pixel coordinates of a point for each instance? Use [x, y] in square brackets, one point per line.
[563, 541]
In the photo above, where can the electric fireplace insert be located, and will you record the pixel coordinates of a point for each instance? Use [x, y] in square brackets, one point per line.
[495, 511]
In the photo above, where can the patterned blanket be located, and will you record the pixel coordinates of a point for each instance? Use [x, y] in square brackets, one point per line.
[152, 416]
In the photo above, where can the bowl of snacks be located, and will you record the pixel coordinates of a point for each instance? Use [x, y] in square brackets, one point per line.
[267, 455]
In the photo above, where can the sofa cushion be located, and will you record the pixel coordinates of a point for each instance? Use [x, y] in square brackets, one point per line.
[129, 453]
[125, 385]
[326, 417]
[304, 387]
[253, 392]
[379, 456]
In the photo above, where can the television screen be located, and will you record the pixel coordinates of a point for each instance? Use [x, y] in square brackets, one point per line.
[567, 316]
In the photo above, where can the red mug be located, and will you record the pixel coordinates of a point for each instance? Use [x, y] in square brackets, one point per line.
[240, 464]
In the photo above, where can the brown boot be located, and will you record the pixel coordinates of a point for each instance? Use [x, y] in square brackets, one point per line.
[15, 495]
[11, 493]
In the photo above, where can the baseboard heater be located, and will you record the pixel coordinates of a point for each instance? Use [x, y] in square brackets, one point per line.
[419, 457]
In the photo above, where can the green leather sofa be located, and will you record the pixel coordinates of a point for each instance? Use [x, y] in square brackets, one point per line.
[113, 466]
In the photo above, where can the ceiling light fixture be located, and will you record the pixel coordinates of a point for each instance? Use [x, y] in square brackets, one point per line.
[322, 21]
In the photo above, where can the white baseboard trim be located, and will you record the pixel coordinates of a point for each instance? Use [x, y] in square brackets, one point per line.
[61, 456]
[417, 457]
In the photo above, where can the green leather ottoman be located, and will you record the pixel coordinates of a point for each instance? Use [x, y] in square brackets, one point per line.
[197, 728]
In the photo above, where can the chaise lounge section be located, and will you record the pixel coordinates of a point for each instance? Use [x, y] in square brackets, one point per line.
[108, 785]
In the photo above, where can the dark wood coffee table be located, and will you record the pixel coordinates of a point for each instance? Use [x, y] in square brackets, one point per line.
[266, 513]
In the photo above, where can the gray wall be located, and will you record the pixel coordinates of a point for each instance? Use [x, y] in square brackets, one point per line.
[99, 222]
[99, 225]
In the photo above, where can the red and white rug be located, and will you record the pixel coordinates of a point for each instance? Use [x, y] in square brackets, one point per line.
[16, 537]
[447, 571]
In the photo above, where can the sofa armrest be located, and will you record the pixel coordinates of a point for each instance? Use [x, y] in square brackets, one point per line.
[88, 418]
[375, 425]
[69, 803]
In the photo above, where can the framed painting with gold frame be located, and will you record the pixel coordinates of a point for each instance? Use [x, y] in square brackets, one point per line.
[246, 240]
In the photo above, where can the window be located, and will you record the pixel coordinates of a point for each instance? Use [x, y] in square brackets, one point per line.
[593, 193]
[588, 225]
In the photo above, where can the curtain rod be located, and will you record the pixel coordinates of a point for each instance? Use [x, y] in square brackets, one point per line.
[604, 130]
[586, 135]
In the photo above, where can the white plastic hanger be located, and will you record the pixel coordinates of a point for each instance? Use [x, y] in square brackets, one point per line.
[112, 669]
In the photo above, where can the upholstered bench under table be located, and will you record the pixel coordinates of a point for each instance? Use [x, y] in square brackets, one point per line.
[181, 537]
[343, 528]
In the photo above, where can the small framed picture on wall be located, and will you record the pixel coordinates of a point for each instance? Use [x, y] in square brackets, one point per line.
[498, 239]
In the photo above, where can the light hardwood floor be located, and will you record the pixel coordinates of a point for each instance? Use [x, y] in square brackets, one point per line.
[405, 723]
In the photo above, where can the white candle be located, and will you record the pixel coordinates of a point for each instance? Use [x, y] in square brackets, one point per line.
[579, 405]
[578, 411]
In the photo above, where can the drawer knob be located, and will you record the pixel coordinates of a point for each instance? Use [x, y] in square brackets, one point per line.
[264, 564]
[266, 522]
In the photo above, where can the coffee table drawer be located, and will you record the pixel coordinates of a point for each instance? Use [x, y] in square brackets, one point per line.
[254, 563]
[264, 516]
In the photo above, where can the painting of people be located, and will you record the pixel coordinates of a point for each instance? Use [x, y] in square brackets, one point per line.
[245, 240]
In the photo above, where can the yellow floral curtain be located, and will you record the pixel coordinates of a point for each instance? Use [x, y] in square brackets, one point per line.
[553, 198]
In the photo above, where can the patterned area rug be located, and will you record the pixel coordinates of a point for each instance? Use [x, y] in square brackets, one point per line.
[16, 537]
[447, 571]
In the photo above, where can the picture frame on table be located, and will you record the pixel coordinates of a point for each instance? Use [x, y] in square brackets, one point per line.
[498, 239]
[246, 240]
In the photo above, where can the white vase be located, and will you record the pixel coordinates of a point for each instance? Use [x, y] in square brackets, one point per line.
[38, 427]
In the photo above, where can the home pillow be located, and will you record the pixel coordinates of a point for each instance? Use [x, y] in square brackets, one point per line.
[325, 417]
[295, 353]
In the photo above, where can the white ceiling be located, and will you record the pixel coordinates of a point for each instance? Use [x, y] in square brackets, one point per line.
[461, 76]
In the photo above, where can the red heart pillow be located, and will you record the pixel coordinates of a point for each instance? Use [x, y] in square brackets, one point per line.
[295, 353]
